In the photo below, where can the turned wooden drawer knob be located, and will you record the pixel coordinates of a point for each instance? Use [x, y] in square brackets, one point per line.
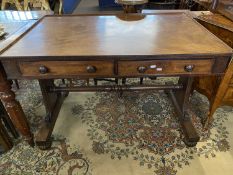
[91, 69]
[142, 69]
[189, 68]
[43, 69]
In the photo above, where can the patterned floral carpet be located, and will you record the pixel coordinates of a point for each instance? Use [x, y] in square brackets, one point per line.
[133, 134]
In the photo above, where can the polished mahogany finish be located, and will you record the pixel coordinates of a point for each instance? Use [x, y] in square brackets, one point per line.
[108, 36]
[218, 89]
[60, 69]
[109, 46]
[218, 25]
[165, 67]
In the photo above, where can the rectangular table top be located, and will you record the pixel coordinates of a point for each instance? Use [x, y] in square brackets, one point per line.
[120, 35]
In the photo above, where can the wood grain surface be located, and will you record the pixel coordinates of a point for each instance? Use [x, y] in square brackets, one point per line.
[67, 68]
[159, 34]
[129, 68]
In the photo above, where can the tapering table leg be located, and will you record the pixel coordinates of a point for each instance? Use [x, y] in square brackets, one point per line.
[13, 108]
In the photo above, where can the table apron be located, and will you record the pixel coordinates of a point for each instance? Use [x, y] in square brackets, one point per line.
[53, 69]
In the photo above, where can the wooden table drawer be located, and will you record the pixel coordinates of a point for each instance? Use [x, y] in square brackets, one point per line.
[163, 67]
[67, 68]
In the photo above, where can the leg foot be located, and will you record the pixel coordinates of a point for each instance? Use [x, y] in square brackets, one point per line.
[190, 135]
[189, 143]
[45, 145]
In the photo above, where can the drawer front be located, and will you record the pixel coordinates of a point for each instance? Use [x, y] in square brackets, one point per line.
[66, 68]
[163, 67]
